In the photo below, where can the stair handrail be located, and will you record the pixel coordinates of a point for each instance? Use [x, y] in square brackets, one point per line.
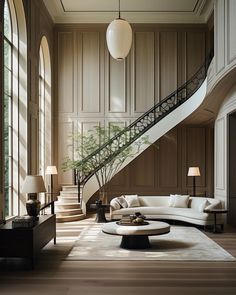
[153, 110]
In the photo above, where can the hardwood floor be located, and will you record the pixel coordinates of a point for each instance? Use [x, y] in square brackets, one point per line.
[52, 275]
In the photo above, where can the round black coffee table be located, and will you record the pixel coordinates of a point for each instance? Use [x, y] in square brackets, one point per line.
[136, 237]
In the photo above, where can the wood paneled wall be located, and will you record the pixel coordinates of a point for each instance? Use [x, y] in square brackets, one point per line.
[162, 169]
[39, 24]
[91, 88]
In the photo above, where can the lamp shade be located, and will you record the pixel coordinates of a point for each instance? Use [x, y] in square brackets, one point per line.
[194, 171]
[33, 184]
[51, 170]
[119, 38]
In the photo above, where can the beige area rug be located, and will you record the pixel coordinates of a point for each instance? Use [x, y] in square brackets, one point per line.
[182, 243]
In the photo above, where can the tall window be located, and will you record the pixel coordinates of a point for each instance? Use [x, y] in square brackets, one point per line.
[8, 99]
[15, 103]
[44, 106]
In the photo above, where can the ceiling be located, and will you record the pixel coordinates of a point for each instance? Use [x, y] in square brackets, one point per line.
[135, 11]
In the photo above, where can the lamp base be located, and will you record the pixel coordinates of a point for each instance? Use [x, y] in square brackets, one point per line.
[33, 206]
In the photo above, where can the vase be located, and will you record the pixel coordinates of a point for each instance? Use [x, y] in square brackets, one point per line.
[33, 206]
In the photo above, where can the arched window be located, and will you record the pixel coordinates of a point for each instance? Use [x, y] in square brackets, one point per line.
[44, 106]
[15, 104]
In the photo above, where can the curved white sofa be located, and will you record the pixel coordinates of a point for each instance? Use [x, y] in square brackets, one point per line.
[158, 207]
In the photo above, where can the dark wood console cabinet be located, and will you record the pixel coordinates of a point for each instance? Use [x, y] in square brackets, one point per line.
[27, 242]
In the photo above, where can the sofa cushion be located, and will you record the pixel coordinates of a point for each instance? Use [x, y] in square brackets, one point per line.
[122, 201]
[179, 201]
[198, 204]
[132, 201]
[115, 204]
[161, 211]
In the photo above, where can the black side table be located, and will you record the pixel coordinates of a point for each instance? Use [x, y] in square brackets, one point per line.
[100, 216]
[215, 212]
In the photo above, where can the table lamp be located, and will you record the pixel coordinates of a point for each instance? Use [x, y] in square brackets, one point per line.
[194, 171]
[33, 185]
[51, 170]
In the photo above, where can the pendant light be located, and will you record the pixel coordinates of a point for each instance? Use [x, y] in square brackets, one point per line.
[119, 37]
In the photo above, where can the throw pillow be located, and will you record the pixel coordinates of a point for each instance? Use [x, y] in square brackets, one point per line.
[132, 201]
[115, 204]
[122, 201]
[172, 200]
[180, 201]
[199, 204]
[210, 206]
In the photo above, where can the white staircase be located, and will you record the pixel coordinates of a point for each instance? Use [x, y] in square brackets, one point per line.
[67, 207]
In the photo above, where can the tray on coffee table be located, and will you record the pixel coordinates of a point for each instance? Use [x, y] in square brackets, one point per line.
[132, 223]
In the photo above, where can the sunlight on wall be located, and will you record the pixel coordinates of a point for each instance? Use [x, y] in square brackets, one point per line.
[45, 108]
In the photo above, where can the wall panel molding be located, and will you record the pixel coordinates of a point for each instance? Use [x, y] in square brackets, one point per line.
[162, 169]
[143, 98]
[219, 154]
[168, 63]
[231, 29]
[91, 95]
[220, 36]
[93, 87]
[117, 86]
[66, 72]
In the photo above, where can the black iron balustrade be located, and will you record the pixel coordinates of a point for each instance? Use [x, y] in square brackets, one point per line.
[128, 135]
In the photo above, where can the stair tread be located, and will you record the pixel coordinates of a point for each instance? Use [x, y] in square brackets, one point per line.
[68, 218]
[68, 197]
[69, 192]
[67, 210]
[76, 215]
[66, 204]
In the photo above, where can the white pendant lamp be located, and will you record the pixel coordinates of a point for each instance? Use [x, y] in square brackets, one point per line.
[119, 38]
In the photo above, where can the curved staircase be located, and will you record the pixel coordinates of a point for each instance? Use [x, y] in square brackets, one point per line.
[155, 123]
[67, 207]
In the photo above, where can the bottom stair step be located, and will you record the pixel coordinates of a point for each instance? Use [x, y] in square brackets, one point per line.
[68, 212]
[69, 218]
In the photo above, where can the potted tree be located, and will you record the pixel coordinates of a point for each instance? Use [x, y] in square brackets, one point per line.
[102, 153]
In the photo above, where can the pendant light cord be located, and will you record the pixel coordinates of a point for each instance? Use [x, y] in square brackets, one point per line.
[119, 8]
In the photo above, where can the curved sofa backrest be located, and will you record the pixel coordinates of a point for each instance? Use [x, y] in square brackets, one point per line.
[164, 201]
[154, 201]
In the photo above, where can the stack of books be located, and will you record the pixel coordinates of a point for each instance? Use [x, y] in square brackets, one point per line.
[23, 222]
[125, 219]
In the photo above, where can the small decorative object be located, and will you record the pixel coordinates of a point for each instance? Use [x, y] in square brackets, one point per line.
[194, 171]
[134, 219]
[33, 185]
[137, 218]
[23, 222]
